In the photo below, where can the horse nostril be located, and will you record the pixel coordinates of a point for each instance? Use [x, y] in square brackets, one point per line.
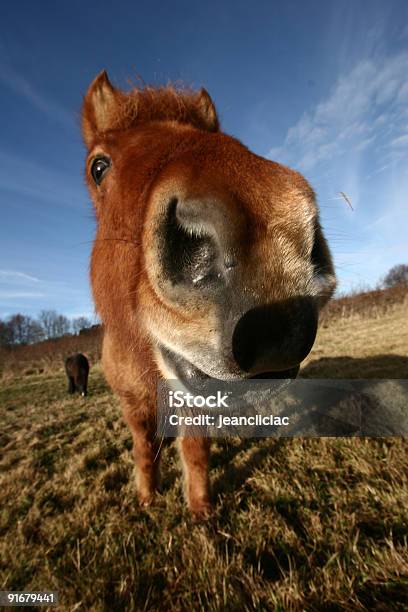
[190, 253]
[275, 337]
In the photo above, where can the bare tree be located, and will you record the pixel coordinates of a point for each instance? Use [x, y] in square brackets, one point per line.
[34, 331]
[16, 325]
[398, 275]
[80, 323]
[62, 326]
[23, 329]
[53, 324]
[5, 337]
[47, 320]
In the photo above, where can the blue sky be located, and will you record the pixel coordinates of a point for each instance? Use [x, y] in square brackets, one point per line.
[318, 85]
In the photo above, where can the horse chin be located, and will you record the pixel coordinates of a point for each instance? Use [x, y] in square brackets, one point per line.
[188, 373]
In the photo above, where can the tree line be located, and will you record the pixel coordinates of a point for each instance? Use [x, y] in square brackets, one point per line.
[23, 329]
[398, 275]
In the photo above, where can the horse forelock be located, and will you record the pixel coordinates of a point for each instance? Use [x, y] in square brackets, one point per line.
[165, 104]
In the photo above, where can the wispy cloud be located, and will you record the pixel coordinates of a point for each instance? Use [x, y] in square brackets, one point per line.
[12, 295]
[16, 285]
[28, 179]
[22, 86]
[12, 275]
[401, 141]
[366, 108]
[29, 294]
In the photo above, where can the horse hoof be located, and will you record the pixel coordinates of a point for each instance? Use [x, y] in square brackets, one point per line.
[201, 512]
[146, 500]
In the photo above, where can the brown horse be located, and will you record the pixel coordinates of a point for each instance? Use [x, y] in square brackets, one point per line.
[77, 371]
[208, 260]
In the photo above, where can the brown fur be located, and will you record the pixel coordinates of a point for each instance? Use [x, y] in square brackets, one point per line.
[164, 142]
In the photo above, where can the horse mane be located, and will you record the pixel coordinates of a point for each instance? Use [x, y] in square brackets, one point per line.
[107, 108]
[165, 104]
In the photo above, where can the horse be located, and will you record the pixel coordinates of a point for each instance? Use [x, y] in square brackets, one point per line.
[209, 261]
[77, 370]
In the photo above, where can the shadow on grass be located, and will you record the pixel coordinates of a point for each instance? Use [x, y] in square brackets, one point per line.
[379, 595]
[234, 476]
[378, 366]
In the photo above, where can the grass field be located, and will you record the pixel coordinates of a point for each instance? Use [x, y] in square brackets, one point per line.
[298, 524]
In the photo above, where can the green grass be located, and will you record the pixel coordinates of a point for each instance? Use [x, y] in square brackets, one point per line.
[298, 524]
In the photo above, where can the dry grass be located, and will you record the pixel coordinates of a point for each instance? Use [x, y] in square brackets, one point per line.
[299, 524]
[375, 303]
[358, 346]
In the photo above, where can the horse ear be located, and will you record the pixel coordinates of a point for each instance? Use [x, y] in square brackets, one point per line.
[206, 109]
[99, 108]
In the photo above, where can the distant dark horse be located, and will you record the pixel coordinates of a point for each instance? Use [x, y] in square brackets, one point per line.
[77, 369]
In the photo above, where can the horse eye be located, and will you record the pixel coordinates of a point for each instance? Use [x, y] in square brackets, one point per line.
[99, 167]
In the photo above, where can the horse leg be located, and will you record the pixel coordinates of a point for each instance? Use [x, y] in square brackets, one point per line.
[194, 454]
[71, 385]
[146, 451]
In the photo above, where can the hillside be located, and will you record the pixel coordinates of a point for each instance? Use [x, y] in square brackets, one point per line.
[364, 336]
